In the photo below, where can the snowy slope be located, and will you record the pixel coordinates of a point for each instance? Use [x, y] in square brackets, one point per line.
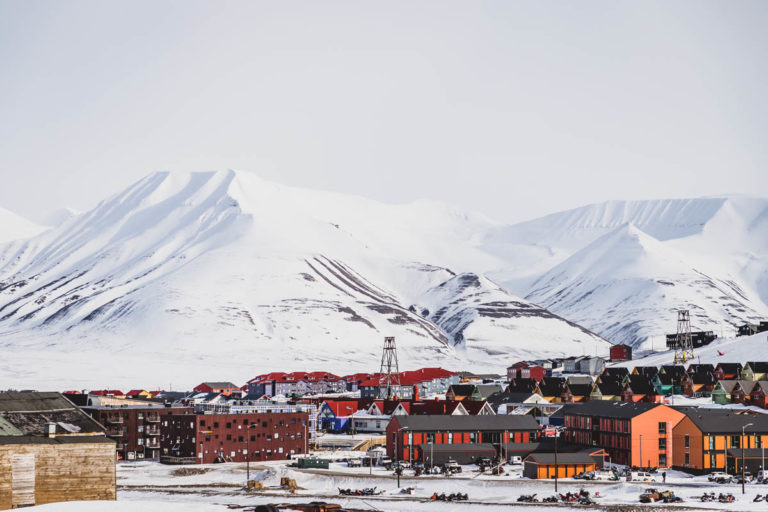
[532, 248]
[13, 226]
[723, 350]
[205, 269]
[627, 286]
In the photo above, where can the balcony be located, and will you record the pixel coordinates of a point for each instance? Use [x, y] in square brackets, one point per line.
[152, 444]
[114, 420]
[152, 419]
[115, 432]
[152, 431]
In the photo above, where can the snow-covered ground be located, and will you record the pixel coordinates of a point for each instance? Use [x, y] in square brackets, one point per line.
[723, 350]
[153, 487]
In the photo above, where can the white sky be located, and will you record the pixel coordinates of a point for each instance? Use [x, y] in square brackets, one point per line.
[512, 108]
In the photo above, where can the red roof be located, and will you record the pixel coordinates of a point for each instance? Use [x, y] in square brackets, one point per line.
[412, 377]
[135, 392]
[342, 407]
[106, 392]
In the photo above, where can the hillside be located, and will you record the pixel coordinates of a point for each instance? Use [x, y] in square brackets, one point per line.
[224, 270]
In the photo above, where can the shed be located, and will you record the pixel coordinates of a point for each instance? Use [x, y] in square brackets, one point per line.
[51, 451]
[543, 465]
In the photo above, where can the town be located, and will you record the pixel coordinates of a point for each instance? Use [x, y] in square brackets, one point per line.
[576, 419]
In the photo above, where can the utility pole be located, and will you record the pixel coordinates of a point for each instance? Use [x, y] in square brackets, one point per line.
[742, 455]
[247, 455]
[557, 469]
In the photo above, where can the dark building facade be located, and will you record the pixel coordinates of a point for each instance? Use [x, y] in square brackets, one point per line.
[135, 429]
[421, 437]
[209, 438]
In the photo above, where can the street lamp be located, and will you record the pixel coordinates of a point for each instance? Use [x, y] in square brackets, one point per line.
[397, 454]
[741, 442]
[306, 437]
[248, 452]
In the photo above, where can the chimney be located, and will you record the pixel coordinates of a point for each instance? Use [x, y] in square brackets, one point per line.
[50, 429]
[416, 397]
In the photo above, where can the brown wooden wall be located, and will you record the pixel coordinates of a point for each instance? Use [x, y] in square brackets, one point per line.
[63, 472]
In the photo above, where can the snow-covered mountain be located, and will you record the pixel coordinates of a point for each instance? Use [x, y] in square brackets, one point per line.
[226, 271]
[223, 275]
[622, 269]
[13, 226]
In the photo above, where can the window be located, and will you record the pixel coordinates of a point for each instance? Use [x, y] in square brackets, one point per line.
[758, 441]
[229, 424]
[662, 427]
[240, 439]
[712, 460]
[215, 424]
[687, 443]
[253, 438]
[735, 442]
[711, 442]
[662, 443]
[662, 460]
[430, 437]
[687, 459]
[229, 437]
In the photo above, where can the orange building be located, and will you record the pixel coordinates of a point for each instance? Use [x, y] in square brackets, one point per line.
[704, 438]
[632, 433]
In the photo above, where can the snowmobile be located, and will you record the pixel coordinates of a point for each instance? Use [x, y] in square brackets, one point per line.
[726, 498]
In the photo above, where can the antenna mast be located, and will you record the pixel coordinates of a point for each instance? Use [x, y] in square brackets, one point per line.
[683, 340]
[389, 377]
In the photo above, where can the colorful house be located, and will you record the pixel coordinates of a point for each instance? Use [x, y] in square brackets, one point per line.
[223, 388]
[698, 384]
[639, 388]
[755, 370]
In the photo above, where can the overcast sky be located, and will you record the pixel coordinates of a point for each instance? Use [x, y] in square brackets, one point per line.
[512, 108]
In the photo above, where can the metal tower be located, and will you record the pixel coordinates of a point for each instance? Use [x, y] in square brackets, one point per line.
[683, 341]
[389, 377]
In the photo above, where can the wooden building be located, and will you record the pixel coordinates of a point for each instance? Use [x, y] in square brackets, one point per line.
[50, 451]
[621, 352]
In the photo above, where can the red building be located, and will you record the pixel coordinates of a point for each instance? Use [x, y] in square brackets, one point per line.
[208, 438]
[135, 429]
[469, 437]
[621, 353]
[532, 372]
[225, 388]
